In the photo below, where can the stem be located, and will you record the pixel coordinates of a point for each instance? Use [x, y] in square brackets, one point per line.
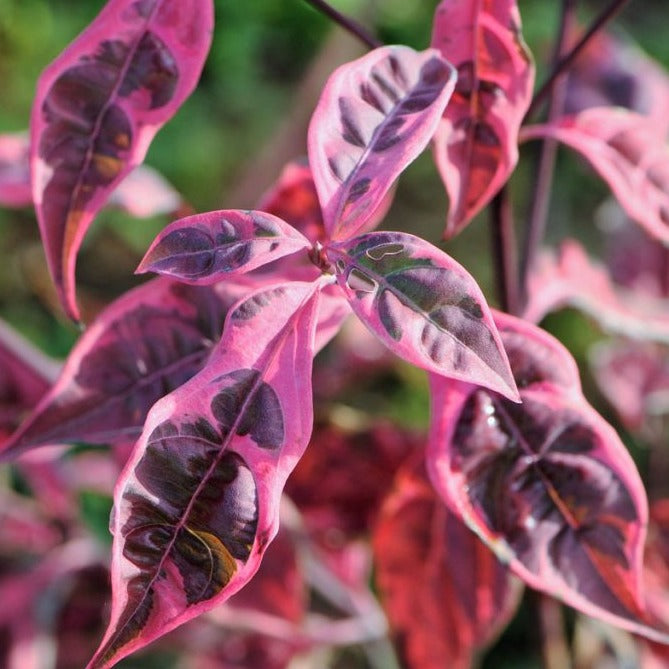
[541, 195]
[504, 252]
[554, 649]
[567, 60]
[345, 22]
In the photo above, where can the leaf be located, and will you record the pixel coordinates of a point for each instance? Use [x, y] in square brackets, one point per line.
[144, 193]
[97, 108]
[614, 71]
[445, 594]
[386, 105]
[634, 378]
[475, 146]
[198, 502]
[422, 305]
[628, 152]
[549, 486]
[144, 345]
[15, 170]
[572, 279]
[205, 248]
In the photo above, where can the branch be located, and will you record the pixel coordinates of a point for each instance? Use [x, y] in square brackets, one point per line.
[504, 252]
[566, 62]
[541, 194]
[345, 22]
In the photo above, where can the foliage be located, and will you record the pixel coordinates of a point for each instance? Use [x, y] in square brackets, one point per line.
[216, 401]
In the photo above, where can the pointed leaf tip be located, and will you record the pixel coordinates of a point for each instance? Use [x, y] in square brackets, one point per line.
[97, 108]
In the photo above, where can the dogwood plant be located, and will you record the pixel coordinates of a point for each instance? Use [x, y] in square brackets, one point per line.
[202, 376]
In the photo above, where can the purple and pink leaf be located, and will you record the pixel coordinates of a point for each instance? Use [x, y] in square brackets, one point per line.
[97, 108]
[375, 116]
[423, 306]
[476, 143]
[547, 484]
[144, 345]
[198, 502]
[205, 248]
[15, 188]
[445, 593]
[628, 152]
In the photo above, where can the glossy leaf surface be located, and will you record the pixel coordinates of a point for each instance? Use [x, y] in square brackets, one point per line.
[375, 115]
[97, 108]
[423, 305]
[628, 152]
[204, 248]
[572, 279]
[548, 485]
[475, 146]
[144, 345]
[198, 502]
[445, 593]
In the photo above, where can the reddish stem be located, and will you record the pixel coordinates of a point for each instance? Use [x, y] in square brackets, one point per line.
[345, 22]
[504, 252]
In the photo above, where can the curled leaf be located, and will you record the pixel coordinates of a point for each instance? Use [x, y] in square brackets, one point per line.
[97, 108]
[387, 105]
[476, 143]
[628, 152]
[549, 486]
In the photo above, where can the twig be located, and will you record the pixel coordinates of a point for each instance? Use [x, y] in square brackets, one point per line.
[347, 23]
[575, 52]
[541, 194]
[504, 252]
[554, 647]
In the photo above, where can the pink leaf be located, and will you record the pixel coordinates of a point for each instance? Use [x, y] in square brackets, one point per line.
[445, 593]
[15, 171]
[144, 193]
[204, 248]
[634, 378]
[475, 146]
[424, 306]
[549, 486]
[572, 279]
[628, 152]
[386, 105]
[198, 502]
[97, 108]
[144, 345]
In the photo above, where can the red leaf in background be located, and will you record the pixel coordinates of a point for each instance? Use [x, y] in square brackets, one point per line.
[628, 152]
[423, 306]
[445, 593]
[547, 484]
[293, 198]
[475, 146]
[97, 108]
[572, 279]
[15, 170]
[205, 248]
[617, 73]
[26, 375]
[387, 105]
[145, 344]
[339, 483]
[198, 502]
